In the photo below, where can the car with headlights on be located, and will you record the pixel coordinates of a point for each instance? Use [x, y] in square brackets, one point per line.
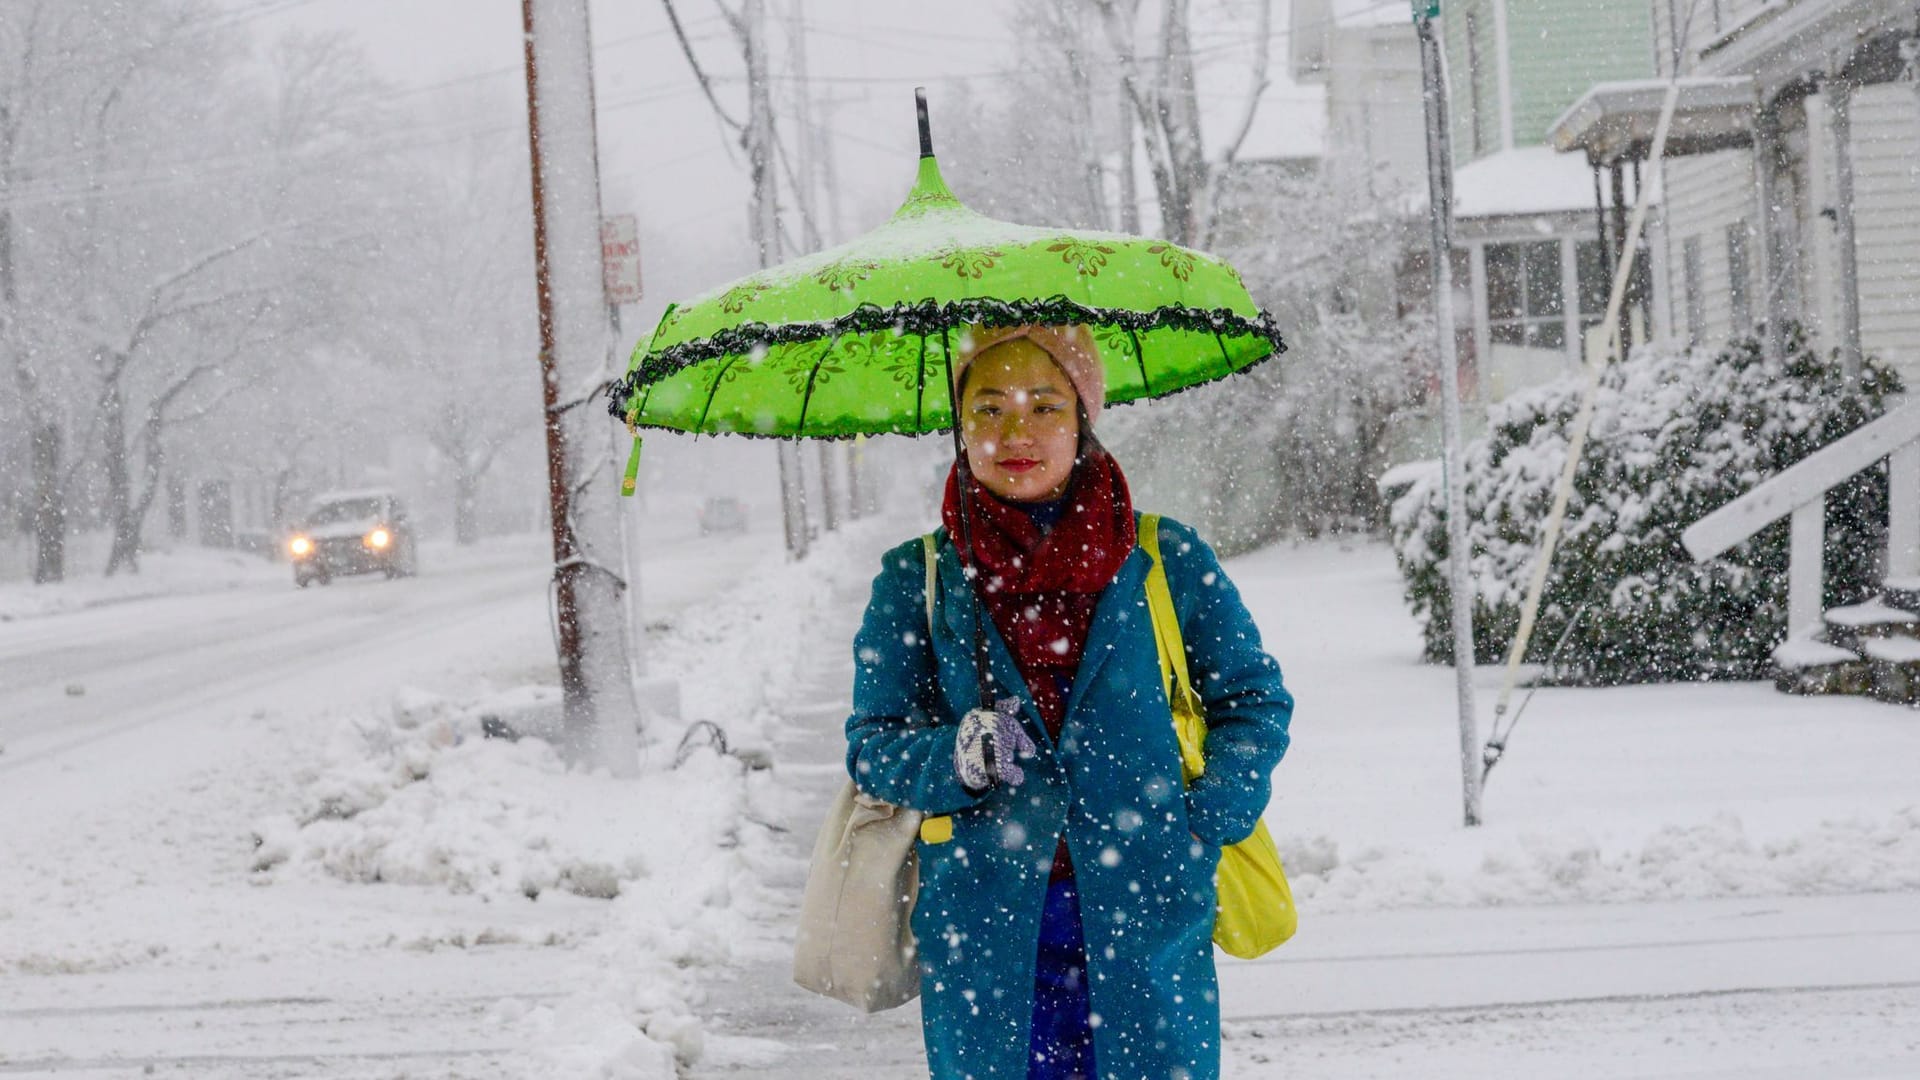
[722, 513]
[353, 532]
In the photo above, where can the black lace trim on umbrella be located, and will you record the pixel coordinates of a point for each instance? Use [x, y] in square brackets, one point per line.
[929, 317]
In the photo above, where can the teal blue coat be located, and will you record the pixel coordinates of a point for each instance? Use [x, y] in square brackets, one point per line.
[1111, 784]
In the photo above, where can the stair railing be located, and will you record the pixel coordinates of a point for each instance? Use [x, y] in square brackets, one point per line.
[1800, 491]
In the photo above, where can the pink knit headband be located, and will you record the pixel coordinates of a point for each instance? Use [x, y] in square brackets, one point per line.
[1071, 347]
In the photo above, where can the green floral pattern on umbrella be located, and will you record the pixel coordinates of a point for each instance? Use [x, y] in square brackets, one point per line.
[971, 263]
[803, 371]
[1175, 259]
[1086, 256]
[735, 300]
[846, 273]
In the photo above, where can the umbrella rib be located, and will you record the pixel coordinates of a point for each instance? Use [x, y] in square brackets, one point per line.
[1224, 357]
[1140, 358]
[953, 404]
[806, 399]
[920, 390]
[714, 389]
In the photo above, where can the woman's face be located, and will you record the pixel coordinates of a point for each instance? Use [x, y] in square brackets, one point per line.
[1020, 420]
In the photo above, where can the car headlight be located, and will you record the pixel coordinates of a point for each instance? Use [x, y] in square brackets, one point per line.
[300, 546]
[379, 538]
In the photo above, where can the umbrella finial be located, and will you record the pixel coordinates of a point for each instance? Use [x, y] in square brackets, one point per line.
[926, 126]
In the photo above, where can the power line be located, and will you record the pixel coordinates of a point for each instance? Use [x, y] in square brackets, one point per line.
[216, 20]
[153, 178]
[516, 69]
[699, 73]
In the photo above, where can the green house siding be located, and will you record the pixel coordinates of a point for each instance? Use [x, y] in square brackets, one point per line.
[1558, 50]
[1561, 48]
[1473, 104]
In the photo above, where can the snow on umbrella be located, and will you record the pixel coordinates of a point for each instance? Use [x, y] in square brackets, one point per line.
[856, 340]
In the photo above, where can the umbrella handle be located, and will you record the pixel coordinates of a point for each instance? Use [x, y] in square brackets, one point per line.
[926, 126]
[963, 477]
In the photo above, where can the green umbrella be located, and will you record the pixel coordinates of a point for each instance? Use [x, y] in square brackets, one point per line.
[856, 340]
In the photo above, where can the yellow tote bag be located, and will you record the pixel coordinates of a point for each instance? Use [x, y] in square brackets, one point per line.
[1254, 911]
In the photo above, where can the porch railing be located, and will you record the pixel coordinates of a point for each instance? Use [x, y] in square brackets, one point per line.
[1800, 491]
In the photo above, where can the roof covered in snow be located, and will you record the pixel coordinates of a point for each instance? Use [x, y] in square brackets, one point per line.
[1616, 121]
[1526, 180]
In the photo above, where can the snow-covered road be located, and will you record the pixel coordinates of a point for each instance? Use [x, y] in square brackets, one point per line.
[144, 739]
[70, 679]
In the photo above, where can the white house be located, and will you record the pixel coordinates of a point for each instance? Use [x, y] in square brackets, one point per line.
[1365, 57]
[1535, 232]
[1794, 181]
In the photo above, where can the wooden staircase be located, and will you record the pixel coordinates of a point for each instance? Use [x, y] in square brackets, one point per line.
[1870, 649]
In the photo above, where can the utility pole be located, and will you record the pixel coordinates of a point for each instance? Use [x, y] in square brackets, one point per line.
[596, 680]
[806, 195]
[751, 26]
[1440, 221]
[806, 181]
[1129, 184]
[855, 490]
[828, 167]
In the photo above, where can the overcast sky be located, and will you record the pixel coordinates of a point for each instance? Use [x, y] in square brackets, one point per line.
[668, 160]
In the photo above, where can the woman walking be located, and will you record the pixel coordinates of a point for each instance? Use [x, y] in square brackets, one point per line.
[1066, 899]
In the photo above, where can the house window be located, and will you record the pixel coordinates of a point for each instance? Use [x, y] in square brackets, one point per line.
[1524, 300]
[1695, 290]
[1595, 283]
[1739, 278]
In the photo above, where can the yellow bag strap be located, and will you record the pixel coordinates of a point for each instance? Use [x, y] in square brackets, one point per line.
[931, 544]
[1189, 713]
[1166, 621]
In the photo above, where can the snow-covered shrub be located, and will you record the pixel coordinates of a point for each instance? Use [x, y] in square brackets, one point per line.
[1676, 435]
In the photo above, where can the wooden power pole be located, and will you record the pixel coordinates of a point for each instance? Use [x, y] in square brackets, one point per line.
[596, 677]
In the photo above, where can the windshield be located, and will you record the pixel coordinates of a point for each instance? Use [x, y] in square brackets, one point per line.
[344, 510]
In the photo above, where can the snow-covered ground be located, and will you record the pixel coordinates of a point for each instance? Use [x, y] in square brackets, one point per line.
[257, 832]
[1645, 792]
[161, 908]
[1667, 879]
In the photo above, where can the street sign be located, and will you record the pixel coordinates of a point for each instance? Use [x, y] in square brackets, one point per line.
[620, 258]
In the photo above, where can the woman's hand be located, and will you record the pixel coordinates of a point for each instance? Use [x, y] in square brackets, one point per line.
[988, 745]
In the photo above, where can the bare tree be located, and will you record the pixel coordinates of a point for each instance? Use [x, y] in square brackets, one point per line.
[1160, 84]
[1295, 446]
[453, 325]
[165, 214]
[26, 38]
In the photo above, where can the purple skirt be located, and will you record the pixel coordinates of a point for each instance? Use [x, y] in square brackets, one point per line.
[1062, 1046]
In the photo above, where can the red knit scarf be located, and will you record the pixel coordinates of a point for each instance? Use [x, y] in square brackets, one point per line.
[1041, 587]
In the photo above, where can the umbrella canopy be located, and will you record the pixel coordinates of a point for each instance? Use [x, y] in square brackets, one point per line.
[856, 340]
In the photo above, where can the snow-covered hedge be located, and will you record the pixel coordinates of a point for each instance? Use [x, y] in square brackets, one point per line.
[1676, 434]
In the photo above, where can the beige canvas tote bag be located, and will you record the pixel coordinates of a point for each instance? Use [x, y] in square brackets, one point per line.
[855, 939]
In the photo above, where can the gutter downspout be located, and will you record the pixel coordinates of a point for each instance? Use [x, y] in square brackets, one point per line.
[1504, 71]
[1839, 94]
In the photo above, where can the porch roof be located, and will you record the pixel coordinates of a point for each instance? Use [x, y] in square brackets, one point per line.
[1615, 121]
[1526, 181]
